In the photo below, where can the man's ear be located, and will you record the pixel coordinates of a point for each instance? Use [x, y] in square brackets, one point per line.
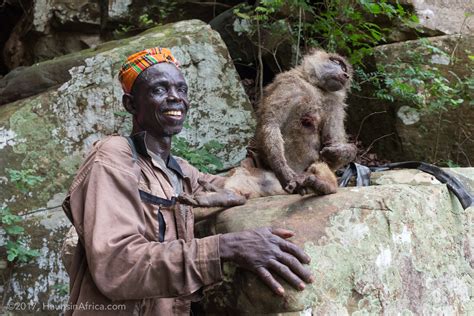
[128, 103]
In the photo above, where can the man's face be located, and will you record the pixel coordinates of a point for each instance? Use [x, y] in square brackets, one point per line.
[160, 97]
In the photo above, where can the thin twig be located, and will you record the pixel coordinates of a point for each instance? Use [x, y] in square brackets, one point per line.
[438, 130]
[299, 38]
[373, 142]
[451, 58]
[465, 156]
[460, 150]
[38, 210]
[211, 3]
[363, 121]
[260, 61]
[364, 97]
[274, 52]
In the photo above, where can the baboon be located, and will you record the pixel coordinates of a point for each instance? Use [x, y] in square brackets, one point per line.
[300, 139]
[300, 124]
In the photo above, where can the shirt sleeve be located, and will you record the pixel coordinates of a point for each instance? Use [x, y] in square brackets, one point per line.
[108, 216]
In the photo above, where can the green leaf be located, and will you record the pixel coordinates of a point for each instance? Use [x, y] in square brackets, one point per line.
[415, 18]
[242, 15]
[121, 113]
[14, 230]
[374, 8]
[11, 256]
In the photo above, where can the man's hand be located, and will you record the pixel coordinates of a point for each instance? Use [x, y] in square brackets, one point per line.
[212, 196]
[265, 252]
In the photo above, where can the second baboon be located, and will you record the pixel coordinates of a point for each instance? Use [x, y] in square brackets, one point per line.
[300, 132]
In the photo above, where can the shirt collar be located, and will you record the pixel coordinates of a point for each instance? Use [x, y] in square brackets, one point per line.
[140, 146]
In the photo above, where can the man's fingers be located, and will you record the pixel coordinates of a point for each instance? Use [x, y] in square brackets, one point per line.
[285, 273]
[295, 251]
[283, 233]
[296, 266]
[270, 281]
[187, 199]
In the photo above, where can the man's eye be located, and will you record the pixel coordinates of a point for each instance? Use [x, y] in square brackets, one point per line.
[182, 89]
[159, 90]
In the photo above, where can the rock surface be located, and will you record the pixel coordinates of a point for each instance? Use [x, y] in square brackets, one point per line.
[49, 133]
[385, 249]
[398, 130]
[401, 245]
[23, 82]
[447, 16]
[53, 28]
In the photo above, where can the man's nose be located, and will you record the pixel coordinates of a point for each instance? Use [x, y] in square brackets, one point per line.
[173, 94]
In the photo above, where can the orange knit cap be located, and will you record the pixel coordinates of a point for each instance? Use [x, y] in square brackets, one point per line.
[138, 62]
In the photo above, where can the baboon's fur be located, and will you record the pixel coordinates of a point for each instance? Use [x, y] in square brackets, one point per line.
[300, 132]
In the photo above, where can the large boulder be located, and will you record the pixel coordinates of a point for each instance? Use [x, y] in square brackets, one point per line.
[23, 82]
[449, 17]
[48, 29]
[47, 135]
[384, 249]
[400, 130]
[50, 133]
[53, 28]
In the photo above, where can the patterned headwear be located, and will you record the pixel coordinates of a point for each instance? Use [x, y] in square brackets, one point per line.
[138, 62]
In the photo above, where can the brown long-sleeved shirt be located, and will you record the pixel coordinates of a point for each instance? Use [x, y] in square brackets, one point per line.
[136, 245]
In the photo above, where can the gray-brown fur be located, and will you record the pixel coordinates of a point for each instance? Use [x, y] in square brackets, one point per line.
[300, 121]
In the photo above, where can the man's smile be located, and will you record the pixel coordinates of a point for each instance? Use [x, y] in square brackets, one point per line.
[176, 114]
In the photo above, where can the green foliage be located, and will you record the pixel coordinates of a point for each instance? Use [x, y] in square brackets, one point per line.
[336, 25]
[202, 158]
[122, 113]
[15, 237]
[16, 247]
[155, 15]
[24, 179]
[353, 28]
[143, 22]
[61, 289]
[452, 164]
[419, 83]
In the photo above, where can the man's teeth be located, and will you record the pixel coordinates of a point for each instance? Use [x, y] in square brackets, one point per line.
[173, 113]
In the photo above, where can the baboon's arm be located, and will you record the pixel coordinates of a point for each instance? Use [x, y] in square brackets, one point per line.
[336, 151]
[274, 151]
[273, 113]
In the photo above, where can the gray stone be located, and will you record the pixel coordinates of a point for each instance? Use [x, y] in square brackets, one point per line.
[384, 249]
[52, 28]
[60, 125]
[119, 9]
[447, 16]
[77, 12]
[23, 82]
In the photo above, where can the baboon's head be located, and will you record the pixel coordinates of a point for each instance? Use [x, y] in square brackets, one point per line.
[330, 72]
